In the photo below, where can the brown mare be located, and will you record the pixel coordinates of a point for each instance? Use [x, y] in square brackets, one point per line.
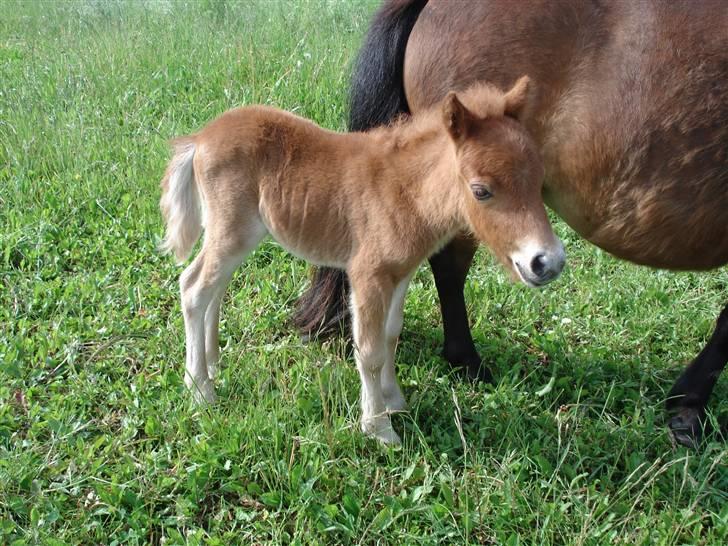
[630, 115]
[376, 204]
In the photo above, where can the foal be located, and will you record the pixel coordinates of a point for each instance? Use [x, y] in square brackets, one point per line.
[375, 204]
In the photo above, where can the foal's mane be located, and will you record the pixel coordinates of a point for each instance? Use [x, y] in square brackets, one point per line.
[482, 99]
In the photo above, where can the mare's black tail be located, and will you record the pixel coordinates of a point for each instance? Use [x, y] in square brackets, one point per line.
[376, 97]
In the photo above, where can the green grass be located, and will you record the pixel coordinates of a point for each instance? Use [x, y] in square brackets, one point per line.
[99, 442]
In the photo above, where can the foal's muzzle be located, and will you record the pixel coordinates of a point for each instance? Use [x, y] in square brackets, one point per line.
[539, 266]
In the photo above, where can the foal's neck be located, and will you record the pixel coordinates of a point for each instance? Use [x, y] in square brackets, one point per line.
[421, 161]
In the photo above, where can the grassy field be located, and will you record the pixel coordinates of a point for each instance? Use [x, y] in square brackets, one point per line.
[99, 442]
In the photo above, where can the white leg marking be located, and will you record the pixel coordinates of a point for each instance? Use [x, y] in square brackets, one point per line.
[393, 397]
[195, 299]
[212, 343]
[202, 286]
[370, 352]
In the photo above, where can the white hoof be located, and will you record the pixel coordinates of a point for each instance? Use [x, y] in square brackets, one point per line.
[212, 371]
[203, 392]
[380, 428]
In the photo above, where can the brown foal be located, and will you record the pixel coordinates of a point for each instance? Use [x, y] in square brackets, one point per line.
[375, 204]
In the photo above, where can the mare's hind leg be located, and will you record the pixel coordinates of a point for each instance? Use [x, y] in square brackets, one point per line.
[202, 286]
[689, 395]
[450, 268]
[393, 398]
[370, 302]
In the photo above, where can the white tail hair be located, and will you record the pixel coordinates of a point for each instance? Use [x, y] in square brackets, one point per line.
[181, 205]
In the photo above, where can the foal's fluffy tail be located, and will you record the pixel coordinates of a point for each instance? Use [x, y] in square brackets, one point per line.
[180, 203]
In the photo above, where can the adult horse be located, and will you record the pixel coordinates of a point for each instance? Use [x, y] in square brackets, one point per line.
[630, 112]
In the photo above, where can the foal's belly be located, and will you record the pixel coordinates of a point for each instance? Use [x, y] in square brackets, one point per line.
[309, 234]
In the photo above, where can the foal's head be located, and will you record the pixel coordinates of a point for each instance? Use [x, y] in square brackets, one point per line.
[499, 173]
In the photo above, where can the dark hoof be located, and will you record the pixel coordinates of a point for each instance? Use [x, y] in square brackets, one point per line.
[469, 361]
[480, 373]
[686, 426]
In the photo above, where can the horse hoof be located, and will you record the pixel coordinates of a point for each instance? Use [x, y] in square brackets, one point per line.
[686, 427]
[212, 371]
[380, 428]
[203, 392]
[388, 438]
[469, 361]
[480, 373]
[205, 395]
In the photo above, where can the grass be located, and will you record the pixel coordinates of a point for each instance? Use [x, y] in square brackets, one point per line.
[99, 442]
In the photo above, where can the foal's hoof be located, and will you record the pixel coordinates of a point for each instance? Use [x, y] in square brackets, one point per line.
[686, 426]
[203, 392]
[380, 428]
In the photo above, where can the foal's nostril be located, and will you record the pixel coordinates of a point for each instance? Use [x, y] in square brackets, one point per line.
[538, 265]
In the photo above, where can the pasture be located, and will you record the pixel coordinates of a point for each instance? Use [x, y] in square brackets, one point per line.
[99, 440]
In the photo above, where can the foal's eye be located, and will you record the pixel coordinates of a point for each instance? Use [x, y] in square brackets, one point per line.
[480, 192]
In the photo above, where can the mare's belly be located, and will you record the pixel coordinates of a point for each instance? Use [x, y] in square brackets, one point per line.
[658, 225]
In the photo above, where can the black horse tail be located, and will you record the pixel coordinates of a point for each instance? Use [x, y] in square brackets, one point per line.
[377, 86]
[376, 97]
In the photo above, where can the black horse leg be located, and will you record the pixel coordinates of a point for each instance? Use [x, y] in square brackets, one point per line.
[689, 395]
[450, 267]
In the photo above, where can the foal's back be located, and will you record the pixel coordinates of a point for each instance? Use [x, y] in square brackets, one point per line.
[289, 171]
[323, 195]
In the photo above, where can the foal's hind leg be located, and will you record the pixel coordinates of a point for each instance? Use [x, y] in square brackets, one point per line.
[393, 397]
[202, 286]
[194, 303]
[212, 343]
[689, 395]
[208, 274]
[370, 302]
[195, 294]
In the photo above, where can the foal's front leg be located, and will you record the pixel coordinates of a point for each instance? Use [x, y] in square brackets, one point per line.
[393, 397]
[371, 298]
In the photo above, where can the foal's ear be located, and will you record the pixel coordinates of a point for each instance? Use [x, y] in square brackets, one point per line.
[518, 97]
[455, 116]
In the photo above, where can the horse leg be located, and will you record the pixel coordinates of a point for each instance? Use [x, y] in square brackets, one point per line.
[450, 268]
[370, 302]
[202, 286]
[195, 296]
[689, 396]
[393, 398]
[212, 343]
